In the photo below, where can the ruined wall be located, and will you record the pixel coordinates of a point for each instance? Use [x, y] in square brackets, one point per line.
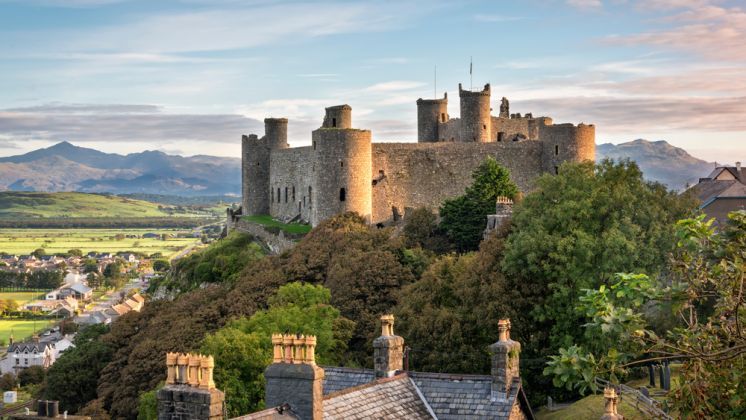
[425, 174]
[509, 127]
[450, 131]
[290, 180]
[340, 173]
[430, 114]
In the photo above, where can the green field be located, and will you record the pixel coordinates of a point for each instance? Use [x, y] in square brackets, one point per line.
[21, 297]
[21, 329]
[268, 221]
[24, 241]
[22, 205]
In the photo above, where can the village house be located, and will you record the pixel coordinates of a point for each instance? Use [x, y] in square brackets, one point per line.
[721, 192]
[25, 354]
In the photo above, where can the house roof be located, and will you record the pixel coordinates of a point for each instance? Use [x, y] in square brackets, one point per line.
[27, 346]
[80, 288]
[137, 298]
[389, 398]
[121, 309]
[450, 396]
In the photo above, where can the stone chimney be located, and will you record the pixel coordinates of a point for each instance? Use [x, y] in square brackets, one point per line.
[505, 357]
[293, 377]
[503, 211]
[610, 408]
[739, 174]
[388, 350]
[190, 392]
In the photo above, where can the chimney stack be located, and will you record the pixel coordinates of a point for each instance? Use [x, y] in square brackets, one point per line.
[190, 391]
[610, 408]
[293, 378]
[505, 359]
[740, 175]
[388, 350]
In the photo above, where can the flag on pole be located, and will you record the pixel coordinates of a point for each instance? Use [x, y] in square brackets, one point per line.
[471, 65]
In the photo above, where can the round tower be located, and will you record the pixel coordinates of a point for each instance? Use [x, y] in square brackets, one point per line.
[476, 119]
[339, 116]
[566, 143]
[255, 158]
[430, 113]
[341, 180]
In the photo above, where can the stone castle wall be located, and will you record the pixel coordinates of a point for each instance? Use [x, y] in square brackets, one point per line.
[290, 170]
[425, 174]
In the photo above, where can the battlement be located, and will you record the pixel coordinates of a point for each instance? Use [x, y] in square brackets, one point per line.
[484, 92]
[338, 116]
[443, 100]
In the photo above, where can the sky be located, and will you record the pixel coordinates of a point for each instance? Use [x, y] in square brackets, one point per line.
[191, 76]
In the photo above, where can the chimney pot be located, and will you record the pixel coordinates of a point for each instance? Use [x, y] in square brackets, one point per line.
[388, 349]
[505, 361]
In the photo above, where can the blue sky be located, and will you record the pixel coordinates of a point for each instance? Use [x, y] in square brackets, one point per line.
[191, 76]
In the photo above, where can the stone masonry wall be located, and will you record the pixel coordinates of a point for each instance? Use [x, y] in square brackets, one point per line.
[276, 242]
[425, 174]
[290, 170]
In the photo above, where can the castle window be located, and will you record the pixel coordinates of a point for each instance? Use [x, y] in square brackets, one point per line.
[342, 194]
[314, 145]
[484, 126]
[334, 122]
[442, 117]
[556, 170]
[341, 164]
[500, 136]
[310, 197]
[556, 150]
[293, 192]
[286, 194]
[279, 197]
[272, 190]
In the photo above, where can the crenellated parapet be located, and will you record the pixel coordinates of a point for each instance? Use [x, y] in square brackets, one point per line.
[294, 348]
[195, 370]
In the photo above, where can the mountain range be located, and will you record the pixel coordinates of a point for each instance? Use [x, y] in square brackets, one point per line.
[66, 167]
[659, 161]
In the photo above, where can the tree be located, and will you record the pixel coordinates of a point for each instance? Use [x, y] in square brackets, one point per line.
[93, 280]
[464, 218]
[31, 375]
[243, 348]
[75, 252]
[706, 285]
[90, 266]
[39, 252]
[581, 227]
[73, 378]
[161, 265]
[8, 382]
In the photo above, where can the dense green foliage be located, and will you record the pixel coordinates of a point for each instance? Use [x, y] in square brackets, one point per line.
[40, 279]
[275, 225]
[581, 227]
[706, 290]
[464, 218]
[220, 263]
[32, 375]
[73, 378]
[243, 349]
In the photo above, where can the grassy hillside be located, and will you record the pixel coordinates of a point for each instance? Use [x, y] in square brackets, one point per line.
[15, 205]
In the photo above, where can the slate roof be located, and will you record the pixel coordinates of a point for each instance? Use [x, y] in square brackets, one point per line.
[339, 378]
[30, 346]
[389, 398]
[81, 288]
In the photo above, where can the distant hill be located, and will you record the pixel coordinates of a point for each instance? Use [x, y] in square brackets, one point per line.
[659, 161]
[71, 204]
[66, 167]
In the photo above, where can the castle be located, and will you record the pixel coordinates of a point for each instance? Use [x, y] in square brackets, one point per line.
[343, 170]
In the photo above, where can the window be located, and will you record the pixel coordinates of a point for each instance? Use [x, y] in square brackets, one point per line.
[314, 145]
[556, 170]
[442, 117]
[342, 194]
[484, 126]
[334, 122]
[500, 136]
[341, 164]
[279, 199]
[556, 150]
[293, 192]
[272, 190]
[310, 197]
[18, 362]
[286, 194]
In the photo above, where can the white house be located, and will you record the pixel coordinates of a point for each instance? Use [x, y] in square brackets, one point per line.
[26, 354]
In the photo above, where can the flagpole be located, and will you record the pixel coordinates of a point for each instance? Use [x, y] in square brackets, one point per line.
[435, 82]
[471, 73]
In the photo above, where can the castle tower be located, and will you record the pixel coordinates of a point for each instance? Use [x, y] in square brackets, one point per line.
[430, 113]
[476, 119]
[566, 143]
[255, 156]
[339, 116]
[341, 178]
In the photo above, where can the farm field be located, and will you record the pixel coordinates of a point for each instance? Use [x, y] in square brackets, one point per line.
[21, 328]
[24, 241]
[21, 297]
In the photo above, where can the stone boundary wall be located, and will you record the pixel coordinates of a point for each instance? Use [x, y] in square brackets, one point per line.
[277, 243]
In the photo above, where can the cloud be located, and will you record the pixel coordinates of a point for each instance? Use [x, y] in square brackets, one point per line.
[700, 27]
[119, 123]
[66, 3]
[585, 5]
[395, 85]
